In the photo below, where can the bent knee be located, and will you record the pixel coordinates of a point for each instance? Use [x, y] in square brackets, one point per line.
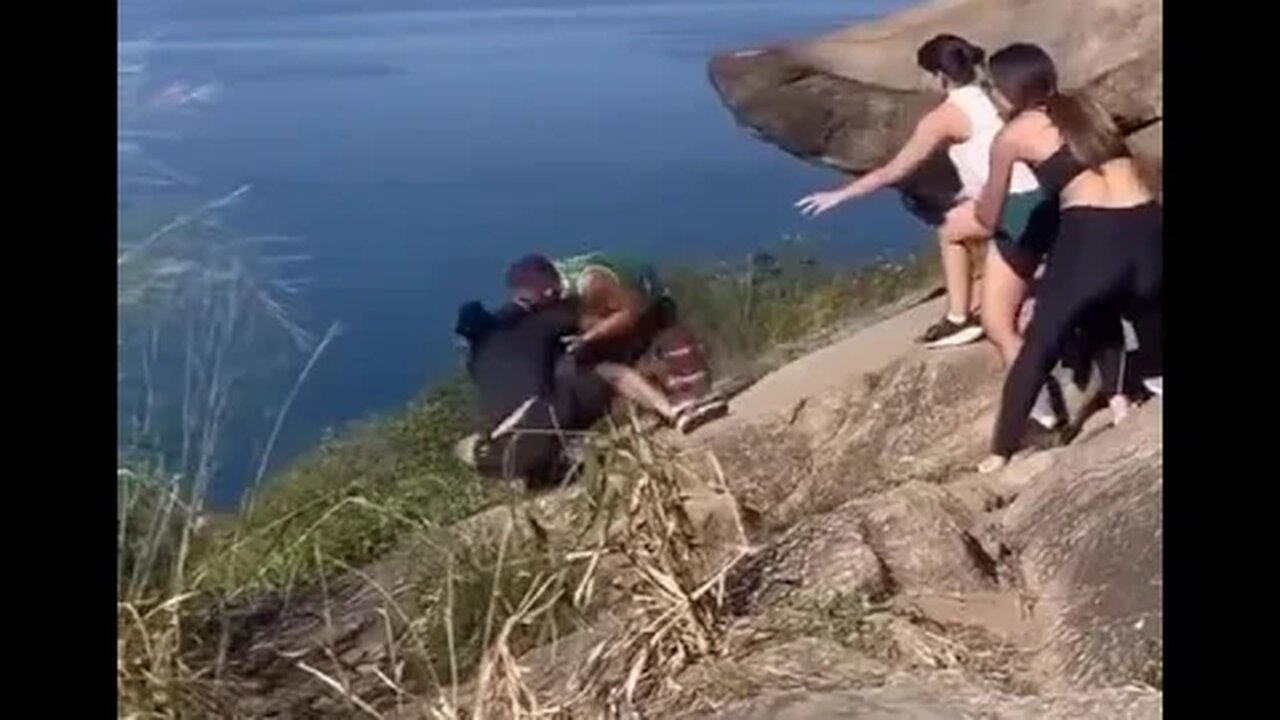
[611, 371]
[961, 226]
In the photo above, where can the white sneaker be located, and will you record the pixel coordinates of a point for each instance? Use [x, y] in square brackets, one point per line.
[1043, 412]
[465, 449]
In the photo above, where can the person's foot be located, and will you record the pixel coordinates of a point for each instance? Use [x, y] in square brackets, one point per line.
[1120, 407]
[692, 415]
[949, 333]
[1155, 385]
[465, 450]
[993, 463]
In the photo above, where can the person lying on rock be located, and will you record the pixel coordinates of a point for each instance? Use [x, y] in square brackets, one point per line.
[629, 333]
[533, 414]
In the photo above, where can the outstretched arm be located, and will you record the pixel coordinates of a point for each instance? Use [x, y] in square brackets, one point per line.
[942, 124]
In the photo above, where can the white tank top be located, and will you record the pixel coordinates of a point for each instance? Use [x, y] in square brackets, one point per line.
[972, 157]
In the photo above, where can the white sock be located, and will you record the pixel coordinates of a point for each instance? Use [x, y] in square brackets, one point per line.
[957, 319]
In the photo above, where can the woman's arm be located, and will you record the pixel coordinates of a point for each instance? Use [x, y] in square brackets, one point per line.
[618, 308]
[944, 123]
[1006, 150]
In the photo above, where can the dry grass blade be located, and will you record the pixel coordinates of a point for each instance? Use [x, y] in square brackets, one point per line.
[671, 619]
[329, 336]
[179, 222]
[502, 688]
[341, 690]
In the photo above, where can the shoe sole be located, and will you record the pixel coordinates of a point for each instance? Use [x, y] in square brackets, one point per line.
[702, 415]
[1048, 422]
[963, 337]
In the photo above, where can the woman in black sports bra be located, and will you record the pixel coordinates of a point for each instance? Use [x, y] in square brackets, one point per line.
[1107, 260]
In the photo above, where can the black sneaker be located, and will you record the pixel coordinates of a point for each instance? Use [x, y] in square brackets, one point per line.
[694, 415]
[946, 333]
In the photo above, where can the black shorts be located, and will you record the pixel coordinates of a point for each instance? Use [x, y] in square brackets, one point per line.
[932, 190]
[581, 397]
[932, 211]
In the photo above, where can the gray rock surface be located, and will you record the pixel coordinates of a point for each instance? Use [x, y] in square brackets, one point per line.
[944, 697]
[1086, 533]
[877, 554]
[848, 99]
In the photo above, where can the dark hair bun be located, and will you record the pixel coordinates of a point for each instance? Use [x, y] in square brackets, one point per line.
[951, 56]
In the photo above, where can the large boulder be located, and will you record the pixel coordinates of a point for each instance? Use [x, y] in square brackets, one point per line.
[921, 417]
[848, 99]
[912, 539]
[1087, 537]
[944, 696]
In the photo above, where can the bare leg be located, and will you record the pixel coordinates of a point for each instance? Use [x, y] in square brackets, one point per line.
[1003, 292]
[636, 387]
[955, 273]
[958, 229]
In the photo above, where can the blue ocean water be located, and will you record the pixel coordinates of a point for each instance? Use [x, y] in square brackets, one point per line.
[417, 147]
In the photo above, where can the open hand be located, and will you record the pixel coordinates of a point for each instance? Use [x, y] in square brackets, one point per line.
[819, 202]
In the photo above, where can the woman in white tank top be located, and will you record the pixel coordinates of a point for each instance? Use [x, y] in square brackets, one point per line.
[966, 123]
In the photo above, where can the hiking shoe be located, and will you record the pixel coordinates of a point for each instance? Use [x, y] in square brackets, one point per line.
[466, 450]
[946, 333]
[691, 416]
[1043, 412]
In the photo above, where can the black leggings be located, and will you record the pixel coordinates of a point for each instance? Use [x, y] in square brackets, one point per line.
[1105, 265]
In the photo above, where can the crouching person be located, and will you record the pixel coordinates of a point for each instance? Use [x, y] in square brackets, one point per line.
[630, 335]
[533, 416]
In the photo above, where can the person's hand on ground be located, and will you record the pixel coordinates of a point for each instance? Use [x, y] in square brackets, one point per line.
[820, 202]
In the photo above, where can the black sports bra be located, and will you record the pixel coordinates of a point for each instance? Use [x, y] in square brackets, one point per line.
[1058, 170]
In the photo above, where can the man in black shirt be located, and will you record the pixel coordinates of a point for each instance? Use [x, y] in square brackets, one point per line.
[531, 410]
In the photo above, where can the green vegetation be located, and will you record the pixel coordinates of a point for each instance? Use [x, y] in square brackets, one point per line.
[403, 463]
[743, 310]
[199, 309]
[351, 497]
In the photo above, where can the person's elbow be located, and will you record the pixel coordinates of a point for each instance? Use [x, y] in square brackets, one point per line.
[987, 215]
[625, 319]
[472, 322]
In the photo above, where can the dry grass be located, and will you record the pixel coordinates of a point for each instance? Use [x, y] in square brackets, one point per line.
[673, 616]
[453, 646]
[670, 617]
[631, 537]
[196, 307]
